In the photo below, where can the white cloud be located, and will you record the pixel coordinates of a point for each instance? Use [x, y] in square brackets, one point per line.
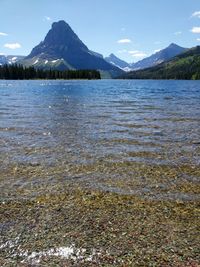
[124, 41]
[137, 54]
[3, 34]
[47, 18]
[2, 54]
[198, 39]
[195, 30]
[133, 53]
[13, 46]
[178, 33]
[196, 14]
[141, 54]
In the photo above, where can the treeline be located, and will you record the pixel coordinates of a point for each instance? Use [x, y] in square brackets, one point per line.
[185, 73]
[18, 72]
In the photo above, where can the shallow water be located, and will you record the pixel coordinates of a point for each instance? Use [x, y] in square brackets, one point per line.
[130, 137]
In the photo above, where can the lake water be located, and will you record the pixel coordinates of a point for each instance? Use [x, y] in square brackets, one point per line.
[129, 137]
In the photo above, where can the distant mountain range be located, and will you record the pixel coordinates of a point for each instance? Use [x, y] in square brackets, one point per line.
[184, 66]
[62, 49]
[114, 60]
[9, 59]
[161, 56]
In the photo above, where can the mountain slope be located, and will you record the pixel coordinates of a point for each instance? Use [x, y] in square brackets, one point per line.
[183, 66]
[62, 49]
[112, 59]
[161, 56]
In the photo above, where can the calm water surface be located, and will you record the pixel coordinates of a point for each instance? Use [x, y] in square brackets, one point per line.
[130, 137]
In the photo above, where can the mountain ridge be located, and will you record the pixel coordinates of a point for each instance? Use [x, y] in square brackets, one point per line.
[160, 56]
[183, 66]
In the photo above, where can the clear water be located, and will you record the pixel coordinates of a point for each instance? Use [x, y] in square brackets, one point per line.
[130, 137]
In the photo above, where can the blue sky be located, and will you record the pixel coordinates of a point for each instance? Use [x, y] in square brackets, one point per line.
[131, 29]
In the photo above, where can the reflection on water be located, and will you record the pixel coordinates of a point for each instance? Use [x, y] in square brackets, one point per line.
[132, 137]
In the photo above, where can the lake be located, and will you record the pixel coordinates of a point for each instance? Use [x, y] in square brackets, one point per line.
[99, 173]
[128, 137]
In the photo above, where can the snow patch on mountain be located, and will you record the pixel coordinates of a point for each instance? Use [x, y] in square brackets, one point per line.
[54, 61]
[36, 61]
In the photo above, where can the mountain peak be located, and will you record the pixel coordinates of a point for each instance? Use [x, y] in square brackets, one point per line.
[62, 34]
[114, 60]
[62, 48]
[60, 24]
[173, 45]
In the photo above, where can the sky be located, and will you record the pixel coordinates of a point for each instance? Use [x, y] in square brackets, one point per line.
[131, 29]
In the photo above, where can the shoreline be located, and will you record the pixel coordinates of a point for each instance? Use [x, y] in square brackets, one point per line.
[94, 228]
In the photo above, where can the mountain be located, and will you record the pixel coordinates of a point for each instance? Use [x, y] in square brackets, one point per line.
[9, 59]
[184, 66]
[161, 56]
[96, 54]
[62, 49]
[112, 59]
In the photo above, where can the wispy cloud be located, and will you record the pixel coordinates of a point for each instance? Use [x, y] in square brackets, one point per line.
[196, 14]
[13, 46]
[178, 33]
[124, 41]
[195, 30]
[3, 34]
[198, 39]
[46, 18]
[137, 54]
[141, 55]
